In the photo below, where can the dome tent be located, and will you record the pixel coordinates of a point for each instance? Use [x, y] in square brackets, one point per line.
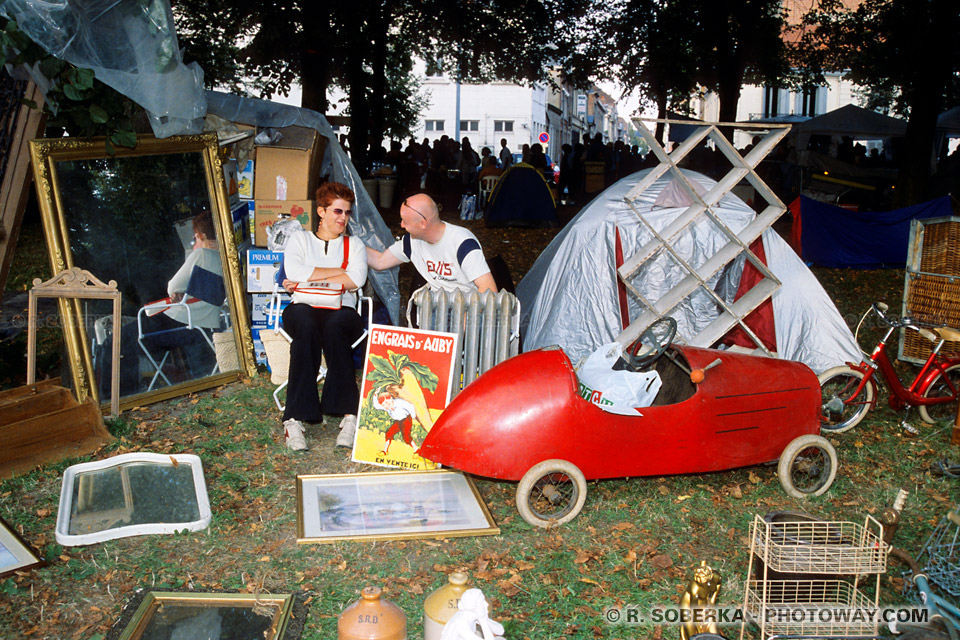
[570, 295]
[522, 198]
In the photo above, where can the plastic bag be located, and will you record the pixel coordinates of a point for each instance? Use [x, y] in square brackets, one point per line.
[279, 233]
[468, 207]
[621, 392]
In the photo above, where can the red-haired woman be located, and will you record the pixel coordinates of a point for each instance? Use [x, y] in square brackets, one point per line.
[317, 265]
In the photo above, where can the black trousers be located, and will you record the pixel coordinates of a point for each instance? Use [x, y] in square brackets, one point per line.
[315, 333]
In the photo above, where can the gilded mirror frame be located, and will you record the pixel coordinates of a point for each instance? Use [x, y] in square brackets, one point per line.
[45, 154]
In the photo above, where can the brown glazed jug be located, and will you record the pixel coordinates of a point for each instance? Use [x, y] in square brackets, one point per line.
[440, 605]
[372, 618]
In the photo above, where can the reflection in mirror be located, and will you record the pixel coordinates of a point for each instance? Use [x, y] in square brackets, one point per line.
[131, 494]
[152, 220]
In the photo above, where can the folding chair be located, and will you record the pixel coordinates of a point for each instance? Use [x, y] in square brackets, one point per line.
[203, 286]
[274, 319]
[487, 183]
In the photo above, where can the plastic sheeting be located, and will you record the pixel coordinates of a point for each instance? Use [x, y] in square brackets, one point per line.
[569, 296]
[130, 46]
[366, 222]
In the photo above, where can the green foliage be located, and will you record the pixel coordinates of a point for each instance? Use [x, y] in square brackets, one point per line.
[666, 49]
[76, 102]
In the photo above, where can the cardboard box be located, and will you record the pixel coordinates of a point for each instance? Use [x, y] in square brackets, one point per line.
[230, 178]
[240, 215]
[259, 352]
[289, 170]
[267, 212]
[245, 180]
[260, 308]
[262, 267]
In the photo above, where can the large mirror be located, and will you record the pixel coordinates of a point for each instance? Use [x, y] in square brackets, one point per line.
[156, 219]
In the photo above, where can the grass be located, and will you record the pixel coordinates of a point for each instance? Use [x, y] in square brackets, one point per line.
[636, 542]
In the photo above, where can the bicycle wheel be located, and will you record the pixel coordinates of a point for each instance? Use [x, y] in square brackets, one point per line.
[839, 411]
[940, 389]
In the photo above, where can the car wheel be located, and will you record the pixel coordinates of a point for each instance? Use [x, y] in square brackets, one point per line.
[808, 466]
[839, 411]
[940, 388]
[551, 493]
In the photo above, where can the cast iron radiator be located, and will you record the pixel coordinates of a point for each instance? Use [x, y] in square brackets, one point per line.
[488, 325]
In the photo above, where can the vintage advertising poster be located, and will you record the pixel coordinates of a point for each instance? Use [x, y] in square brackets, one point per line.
[407, 380]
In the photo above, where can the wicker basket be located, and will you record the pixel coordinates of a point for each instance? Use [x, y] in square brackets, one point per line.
[226, 348]
[934, 299]
[278, 355]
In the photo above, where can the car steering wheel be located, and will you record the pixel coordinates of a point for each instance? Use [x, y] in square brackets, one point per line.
[655, 339]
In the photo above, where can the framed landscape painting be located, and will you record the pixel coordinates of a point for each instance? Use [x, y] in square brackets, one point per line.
[390, 505]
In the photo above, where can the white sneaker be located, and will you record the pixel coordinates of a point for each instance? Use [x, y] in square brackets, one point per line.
[348, 429]
[293, 432]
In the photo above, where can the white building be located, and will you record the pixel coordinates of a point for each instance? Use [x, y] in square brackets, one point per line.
[520, 114]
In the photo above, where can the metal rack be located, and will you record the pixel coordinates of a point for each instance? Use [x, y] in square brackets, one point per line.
[808, 568]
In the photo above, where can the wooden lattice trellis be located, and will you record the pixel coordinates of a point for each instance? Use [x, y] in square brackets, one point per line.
[704, 207]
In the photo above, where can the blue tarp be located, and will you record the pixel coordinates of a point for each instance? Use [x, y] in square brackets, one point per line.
[835, 237]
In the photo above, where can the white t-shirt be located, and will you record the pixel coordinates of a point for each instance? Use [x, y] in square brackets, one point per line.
[401, 408]
[454, 262]
[202, 314]
[304, 251]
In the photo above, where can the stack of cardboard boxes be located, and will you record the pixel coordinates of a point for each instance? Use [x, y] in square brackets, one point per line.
[279, 183]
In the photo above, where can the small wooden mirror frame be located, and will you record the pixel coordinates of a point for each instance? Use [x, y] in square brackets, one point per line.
[77, 284]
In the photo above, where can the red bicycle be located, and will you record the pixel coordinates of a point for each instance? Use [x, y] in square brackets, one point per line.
[849, 392]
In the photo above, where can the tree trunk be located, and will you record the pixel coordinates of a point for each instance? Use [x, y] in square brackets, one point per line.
[728, 90]
[661, 115]
[314, 63]
[378, 86]
[359, 114]
[918, 151]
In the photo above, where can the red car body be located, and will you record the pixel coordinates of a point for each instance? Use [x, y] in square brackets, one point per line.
[528, 409]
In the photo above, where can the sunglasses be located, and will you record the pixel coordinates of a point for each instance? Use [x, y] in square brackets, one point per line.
[341, 212]
[414, 210]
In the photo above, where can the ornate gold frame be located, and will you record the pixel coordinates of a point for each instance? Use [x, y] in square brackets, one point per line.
[153, 601]
[75, 283]
[44, 155]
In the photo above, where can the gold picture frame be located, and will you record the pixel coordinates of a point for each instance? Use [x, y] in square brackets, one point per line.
[63, 166]
[162, 610]
[390, 505]
[15, 553]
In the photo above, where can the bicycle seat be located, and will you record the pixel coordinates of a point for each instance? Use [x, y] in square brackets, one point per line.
[948, 334]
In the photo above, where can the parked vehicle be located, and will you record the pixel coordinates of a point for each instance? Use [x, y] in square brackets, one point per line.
[849, 392]
[525, 420]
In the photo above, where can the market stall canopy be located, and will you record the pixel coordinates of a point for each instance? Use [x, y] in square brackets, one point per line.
[853, 121]
[949, 121]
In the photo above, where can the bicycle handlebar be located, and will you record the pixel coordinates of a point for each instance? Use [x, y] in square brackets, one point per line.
[907, 322]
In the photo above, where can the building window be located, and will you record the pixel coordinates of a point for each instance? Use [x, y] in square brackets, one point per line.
[434, 125]
[503, 125]
[434, 68]
[470, 125]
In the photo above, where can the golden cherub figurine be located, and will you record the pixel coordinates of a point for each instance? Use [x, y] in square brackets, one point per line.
[701, 593]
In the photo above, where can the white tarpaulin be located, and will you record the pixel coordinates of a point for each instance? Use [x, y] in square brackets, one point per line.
[569, 296]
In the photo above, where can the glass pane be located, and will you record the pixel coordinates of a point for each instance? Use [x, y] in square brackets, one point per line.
[145, 222]
[131, 494]
[186, 622]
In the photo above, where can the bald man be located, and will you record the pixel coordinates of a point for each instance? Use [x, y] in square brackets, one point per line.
[447, 256]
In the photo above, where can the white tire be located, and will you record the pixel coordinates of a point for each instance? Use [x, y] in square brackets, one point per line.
[808, 466]
[551, 493]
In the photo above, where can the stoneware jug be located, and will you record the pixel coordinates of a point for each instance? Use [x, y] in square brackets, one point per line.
[442, 604]
[372, 618]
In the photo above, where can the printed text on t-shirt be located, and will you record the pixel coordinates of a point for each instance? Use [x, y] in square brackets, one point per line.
[439, 268]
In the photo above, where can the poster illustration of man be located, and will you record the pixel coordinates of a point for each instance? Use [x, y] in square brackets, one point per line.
[407, 380]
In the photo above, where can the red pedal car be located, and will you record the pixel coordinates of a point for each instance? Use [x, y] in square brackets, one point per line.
[525, 421]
